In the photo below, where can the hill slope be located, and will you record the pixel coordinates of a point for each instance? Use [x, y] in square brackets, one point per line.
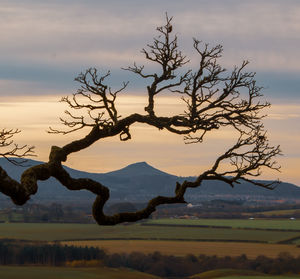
[140, 181]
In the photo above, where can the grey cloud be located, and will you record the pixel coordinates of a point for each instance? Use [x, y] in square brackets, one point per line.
[282, 85]
[49, 42]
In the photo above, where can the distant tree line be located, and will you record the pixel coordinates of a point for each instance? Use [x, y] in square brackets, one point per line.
[49, 213]
[23, 253]
[172, 266]
[220, 209]
[20, 253]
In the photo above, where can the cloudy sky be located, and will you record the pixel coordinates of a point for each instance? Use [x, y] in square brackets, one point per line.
[46, 44]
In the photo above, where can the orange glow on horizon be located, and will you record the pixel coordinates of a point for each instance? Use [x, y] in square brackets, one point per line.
[34, 115]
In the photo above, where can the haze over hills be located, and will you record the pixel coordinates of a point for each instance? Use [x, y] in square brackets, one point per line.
[140, 181]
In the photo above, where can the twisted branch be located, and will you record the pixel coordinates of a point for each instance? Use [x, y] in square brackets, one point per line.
[213, 97]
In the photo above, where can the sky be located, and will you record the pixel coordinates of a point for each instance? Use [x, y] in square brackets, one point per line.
[46, 44]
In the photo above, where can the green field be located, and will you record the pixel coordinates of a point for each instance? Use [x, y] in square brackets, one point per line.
[289, 212]
[179, 240]
[219, 237]
[38, 272]
[285, 224]
[59, 232]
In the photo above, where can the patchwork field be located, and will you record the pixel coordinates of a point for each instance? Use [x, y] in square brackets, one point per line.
[282, 224]
[217, 232]
[171, 236]
[289, 212]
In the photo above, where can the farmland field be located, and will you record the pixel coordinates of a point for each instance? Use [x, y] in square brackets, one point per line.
[37, 272]
[289, 212]
[218, 238]
[285, 224]
[59, 232]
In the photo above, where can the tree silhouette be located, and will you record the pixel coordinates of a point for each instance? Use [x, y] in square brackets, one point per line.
[11, 150]
[214, 98]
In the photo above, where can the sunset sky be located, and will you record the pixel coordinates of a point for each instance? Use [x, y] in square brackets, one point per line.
[46, 44]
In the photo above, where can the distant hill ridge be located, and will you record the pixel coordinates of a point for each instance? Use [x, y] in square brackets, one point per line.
[139, 168]
[140, 181]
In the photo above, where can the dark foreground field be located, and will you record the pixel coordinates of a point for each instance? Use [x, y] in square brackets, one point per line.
[36, 272]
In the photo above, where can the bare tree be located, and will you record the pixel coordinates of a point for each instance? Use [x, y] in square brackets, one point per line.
[10, 151]
[214, 98]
